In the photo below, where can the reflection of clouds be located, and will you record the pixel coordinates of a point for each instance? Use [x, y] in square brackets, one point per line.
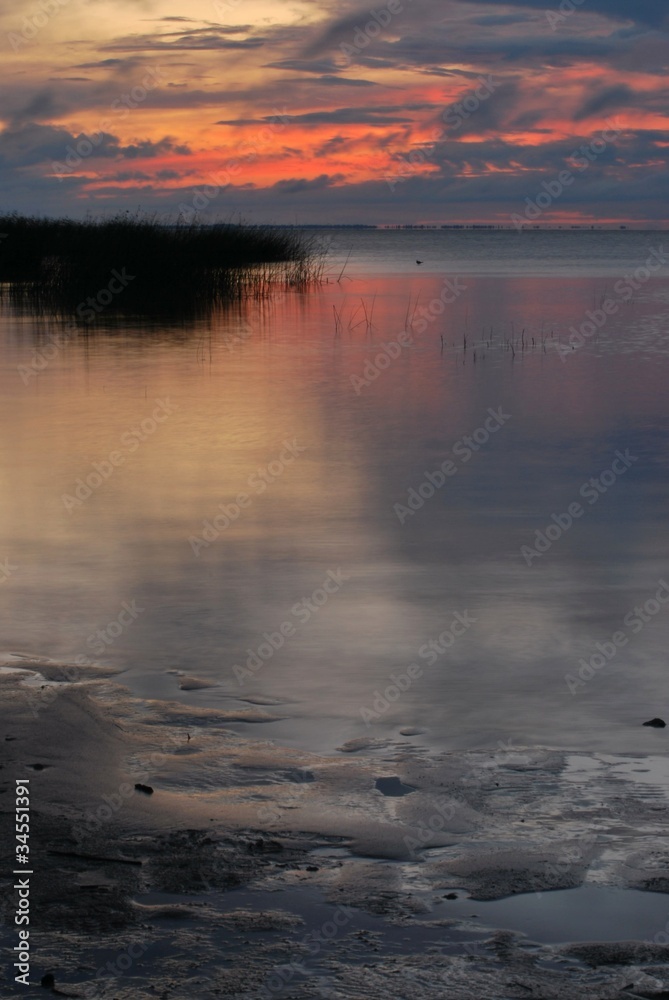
[289, 377]
[522, 627]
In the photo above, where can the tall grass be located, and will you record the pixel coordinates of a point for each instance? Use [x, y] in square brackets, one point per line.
[57, 264]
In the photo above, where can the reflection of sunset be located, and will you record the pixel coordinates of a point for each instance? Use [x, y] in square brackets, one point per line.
[230, 420]
[296, 373]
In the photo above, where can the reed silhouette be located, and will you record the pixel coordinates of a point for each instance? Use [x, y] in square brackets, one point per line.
[58, 265]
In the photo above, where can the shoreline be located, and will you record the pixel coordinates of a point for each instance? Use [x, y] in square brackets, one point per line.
[249, 846]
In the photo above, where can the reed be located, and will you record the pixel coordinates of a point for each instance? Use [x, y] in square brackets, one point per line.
[57, 264]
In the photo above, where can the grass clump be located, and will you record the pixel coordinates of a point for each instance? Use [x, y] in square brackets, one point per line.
[145, 264]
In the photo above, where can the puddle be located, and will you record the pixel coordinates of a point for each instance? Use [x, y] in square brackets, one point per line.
[393, 786]
[316, 912]
[565, 916]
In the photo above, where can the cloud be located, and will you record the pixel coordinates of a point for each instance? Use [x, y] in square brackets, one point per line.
[33, 143]
[130, 175]
[106, 63]
[431, 33]
[343, 27]
[342, 81]
[606, 99]
[331, 147]
[646, 12]
[495, 113]
[379, 115]
[341, 116]
[317, 66]
[352, 123]
[149, 150]
[299, 186]
[42, 105]
[209, 38]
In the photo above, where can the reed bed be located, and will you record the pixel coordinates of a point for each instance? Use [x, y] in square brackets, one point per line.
[61, 265]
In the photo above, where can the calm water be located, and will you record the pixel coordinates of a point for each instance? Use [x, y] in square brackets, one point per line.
[275, 403]
[551, 254]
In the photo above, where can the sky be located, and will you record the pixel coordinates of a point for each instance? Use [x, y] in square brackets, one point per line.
[409, 111]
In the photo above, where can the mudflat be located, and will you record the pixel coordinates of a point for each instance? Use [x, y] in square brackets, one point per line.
[255, 870]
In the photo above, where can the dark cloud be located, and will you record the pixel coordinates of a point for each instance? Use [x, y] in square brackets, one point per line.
[123, 176]
[649, 12]
[149, 150]
[324, 72]
[299, 186]
[653, 135]
[318, 66]
[452, 196]
[33, 143]
[100, 63]
[498, 20]
[343, 81]
[451, 74]
[378, 115]
[606, 99]
[342, 29]
[41, 105]
[492, 115]
[446, 195]
[336, 144]
[434, 34]
[500, 50]
[528, 120]
[488, 178]
[194, 39]
[340, 116]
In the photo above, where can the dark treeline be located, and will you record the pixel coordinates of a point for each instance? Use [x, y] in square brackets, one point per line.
[137, 264]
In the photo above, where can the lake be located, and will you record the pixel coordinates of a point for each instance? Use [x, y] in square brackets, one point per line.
[426, 497]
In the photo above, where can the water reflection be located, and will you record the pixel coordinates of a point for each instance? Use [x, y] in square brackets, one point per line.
[239, 389]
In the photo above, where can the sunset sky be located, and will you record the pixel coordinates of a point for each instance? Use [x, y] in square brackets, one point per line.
[313, 111]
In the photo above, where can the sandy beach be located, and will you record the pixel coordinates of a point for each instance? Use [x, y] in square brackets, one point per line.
[254, 870]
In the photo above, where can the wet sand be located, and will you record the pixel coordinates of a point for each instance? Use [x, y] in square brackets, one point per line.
[255, 870]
